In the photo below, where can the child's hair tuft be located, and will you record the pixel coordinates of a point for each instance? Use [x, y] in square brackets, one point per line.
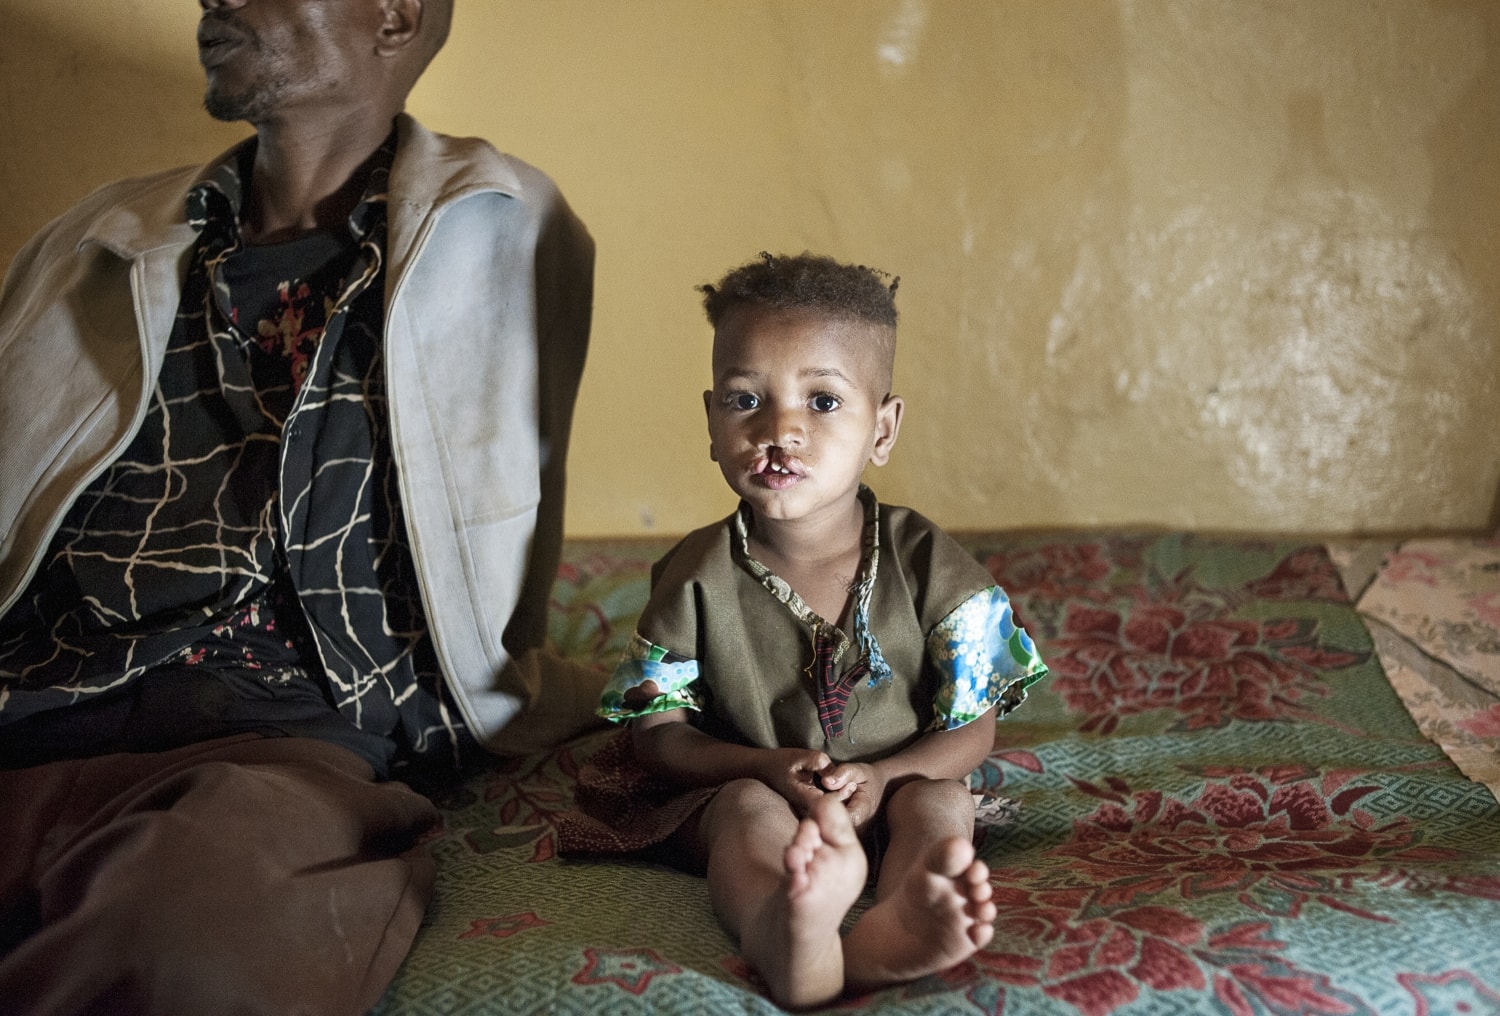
[805, 282]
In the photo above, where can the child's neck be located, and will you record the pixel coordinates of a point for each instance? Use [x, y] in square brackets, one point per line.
[819, 561]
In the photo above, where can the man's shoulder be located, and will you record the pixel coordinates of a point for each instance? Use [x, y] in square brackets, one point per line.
[127, 215]
[433, 168]
[175, 181]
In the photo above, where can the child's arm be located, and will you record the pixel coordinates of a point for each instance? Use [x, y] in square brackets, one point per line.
[673, 749]
[940, 755]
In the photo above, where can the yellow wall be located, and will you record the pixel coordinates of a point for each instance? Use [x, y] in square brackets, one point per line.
[1230, 266]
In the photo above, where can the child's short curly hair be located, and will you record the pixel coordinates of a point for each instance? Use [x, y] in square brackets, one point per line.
[805, 282]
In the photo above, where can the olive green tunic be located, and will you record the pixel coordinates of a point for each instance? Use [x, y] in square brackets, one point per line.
[933, 645]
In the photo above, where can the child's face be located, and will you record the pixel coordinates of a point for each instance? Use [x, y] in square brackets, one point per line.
[798, 407]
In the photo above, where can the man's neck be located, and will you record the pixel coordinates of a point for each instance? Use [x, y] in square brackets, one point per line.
[308, 176]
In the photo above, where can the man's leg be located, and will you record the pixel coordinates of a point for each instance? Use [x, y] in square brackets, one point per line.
[245, 875]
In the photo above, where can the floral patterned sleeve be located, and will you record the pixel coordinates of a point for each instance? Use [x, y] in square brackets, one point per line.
[983, 660]
[628, 695]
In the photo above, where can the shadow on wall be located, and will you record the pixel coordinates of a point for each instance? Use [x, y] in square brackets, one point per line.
[1465, 137]
[76, 115]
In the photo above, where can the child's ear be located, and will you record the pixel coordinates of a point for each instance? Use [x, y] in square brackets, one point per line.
[887, 426]
[713, 456]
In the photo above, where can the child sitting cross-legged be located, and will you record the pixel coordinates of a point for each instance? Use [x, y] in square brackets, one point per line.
[815, 676]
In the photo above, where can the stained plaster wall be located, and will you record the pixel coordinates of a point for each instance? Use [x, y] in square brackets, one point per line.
[1228, 266]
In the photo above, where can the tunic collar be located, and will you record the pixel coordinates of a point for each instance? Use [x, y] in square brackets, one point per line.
[863, 591]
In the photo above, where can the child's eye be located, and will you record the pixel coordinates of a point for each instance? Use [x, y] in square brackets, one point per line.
[741, 400]
[825, 403]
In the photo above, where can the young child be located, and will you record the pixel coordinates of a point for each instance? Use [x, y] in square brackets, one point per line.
[817, 673]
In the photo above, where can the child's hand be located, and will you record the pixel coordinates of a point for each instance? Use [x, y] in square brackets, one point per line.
[859, 786]
[793, 773]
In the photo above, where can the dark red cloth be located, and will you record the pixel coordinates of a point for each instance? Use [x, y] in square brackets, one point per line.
[621, 808]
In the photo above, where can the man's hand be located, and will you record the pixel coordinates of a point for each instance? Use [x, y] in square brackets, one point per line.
[861, 787]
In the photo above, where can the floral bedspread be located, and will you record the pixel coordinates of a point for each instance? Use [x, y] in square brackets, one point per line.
[1224, 808]
[1433, 607]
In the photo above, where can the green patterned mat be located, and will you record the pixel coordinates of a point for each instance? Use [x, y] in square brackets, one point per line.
[1225, 809]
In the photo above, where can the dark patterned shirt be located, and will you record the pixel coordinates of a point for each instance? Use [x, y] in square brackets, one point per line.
[251, 535]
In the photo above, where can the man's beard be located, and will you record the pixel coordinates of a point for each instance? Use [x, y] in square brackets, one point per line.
[258, 97]
[252, 103]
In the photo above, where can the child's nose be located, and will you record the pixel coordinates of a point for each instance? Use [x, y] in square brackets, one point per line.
[784, 428]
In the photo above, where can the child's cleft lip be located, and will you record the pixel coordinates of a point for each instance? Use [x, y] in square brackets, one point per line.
[778, 471]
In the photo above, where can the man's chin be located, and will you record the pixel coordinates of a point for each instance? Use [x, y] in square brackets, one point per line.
[232, 107]
[225, 108]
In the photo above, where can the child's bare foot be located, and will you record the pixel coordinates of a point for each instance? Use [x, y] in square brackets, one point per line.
[794, 942]
[940, 914]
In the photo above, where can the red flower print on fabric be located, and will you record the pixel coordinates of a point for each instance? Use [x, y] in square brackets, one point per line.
[295, 328]
[1100, 964]
[503, 927]
[1192, 660]
[1307, 574]
[1456, 991]
[630, 970]
[525, 792]
[1482, 724]
[1123, 637]
[990, 776]
[1055, 571]
[1269, 836]
[1108, 924]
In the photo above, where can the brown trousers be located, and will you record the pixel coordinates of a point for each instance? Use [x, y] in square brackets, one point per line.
[243, 875]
